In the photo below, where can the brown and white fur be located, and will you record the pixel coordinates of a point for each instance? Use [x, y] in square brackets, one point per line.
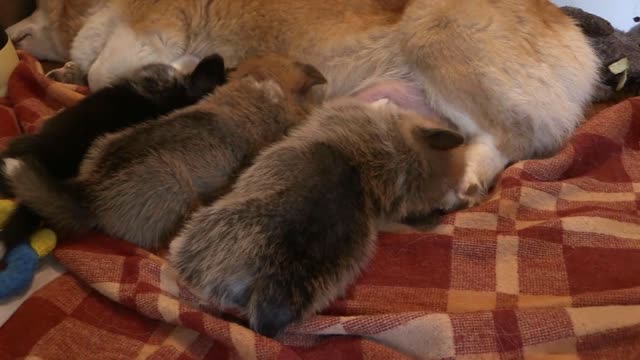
[139, 184]
[513, 75]
[300, 224]
[49, 32]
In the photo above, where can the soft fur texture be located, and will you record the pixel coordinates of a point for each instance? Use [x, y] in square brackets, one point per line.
[513, 76]
[50, 31]
[611, 45]
[139, 184]
[59, 147]
[301, 222]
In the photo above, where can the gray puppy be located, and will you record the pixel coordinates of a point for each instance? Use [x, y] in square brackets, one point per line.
[141, 183]
[300, 223]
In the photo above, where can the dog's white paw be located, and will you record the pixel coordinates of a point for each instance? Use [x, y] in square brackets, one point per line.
[484, 163]
[471, 190]
[468, 193]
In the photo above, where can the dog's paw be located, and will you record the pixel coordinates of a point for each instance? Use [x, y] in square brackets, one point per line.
[70, 73]
[471, 190]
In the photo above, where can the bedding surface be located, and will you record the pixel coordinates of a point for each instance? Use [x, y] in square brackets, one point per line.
[32, 99]
[549, 267]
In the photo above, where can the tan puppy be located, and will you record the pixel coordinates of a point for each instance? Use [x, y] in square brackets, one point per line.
[513, 76]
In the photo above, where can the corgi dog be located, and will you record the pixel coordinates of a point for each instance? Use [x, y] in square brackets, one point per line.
[513, 77]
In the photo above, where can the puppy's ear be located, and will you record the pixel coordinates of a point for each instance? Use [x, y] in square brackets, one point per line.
[437, 139]
[208, 74]
[313, 76]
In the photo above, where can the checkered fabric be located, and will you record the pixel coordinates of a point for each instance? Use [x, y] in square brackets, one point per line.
[548, 267]
[32, 98]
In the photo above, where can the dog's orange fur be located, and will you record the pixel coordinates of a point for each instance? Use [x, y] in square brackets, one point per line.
[513, 75]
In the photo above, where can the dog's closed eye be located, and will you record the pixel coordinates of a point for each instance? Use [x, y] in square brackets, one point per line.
[17, 40]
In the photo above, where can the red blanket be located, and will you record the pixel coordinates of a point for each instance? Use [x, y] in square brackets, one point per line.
[549, 266]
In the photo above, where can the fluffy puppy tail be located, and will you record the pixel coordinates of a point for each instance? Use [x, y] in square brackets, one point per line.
[64, 205]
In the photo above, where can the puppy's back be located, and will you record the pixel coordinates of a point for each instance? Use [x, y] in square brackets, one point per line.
[297, 243]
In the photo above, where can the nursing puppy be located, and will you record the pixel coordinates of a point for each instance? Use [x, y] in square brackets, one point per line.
[62, 142]
[140, 184]
[300, 223]
[513, 76]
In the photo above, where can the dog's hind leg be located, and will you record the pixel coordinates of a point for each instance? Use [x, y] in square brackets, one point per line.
[516, 92]
[92, 38]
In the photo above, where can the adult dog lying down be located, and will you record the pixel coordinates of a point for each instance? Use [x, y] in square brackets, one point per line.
[513, 76]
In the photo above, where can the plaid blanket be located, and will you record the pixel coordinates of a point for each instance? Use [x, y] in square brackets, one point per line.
[549, 267]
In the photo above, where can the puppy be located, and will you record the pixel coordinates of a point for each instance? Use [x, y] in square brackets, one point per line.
[61, 144]
[139, 184]
[300, 223]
